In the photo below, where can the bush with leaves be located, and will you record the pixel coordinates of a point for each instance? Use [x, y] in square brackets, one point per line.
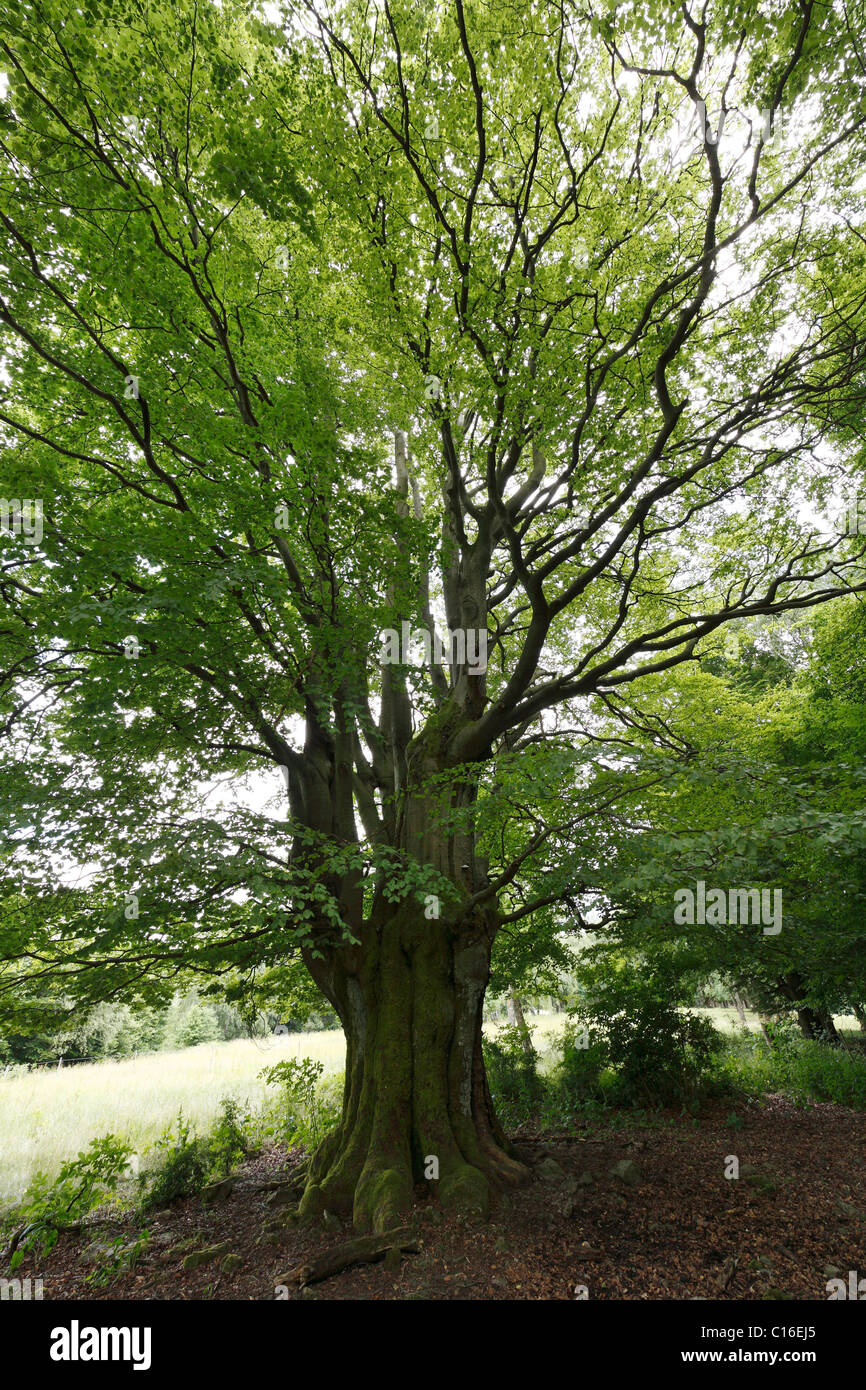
[82, 1184]
[229, 1141]
[582, 1075]
[512, 1073]
[306, 1107]
[182, 1170]
[804, 1069]
[659, 1054]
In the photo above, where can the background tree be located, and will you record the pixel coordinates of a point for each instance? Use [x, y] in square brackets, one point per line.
[766, 791]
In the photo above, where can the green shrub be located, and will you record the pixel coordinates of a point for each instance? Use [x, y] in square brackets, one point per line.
[306, 1107]
[581, 1075]
[182, 1170]
[801, 1068]
[658, 1054]
[229, 1141]
[82, 1184]
[512, 1073]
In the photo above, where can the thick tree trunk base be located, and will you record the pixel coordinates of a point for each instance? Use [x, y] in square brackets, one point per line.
[416, 1106]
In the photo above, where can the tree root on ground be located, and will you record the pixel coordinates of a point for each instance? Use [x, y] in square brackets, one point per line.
[362, 1250]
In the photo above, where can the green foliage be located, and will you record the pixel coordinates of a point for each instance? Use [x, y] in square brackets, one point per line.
[116, 1030]
[83, 1183]
[182, 1169]
[121, 1256]
[658, 1054]
[189, 1021]
[581, 1075]
[229, 1141]
[512, 1073]
[799, 1067]
[284, 994]
[186, 1161]
[306, 1107]
[771, 794]
[112, 1029]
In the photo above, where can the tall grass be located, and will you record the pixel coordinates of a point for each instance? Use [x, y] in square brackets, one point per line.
[804, 1070]
[49, 1116]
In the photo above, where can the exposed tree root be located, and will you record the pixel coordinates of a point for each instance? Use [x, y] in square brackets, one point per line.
[362, 1250]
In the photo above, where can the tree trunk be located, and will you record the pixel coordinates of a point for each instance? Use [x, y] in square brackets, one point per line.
[860, 1015]
[762, 1019]
[828, 1031]
[817, 1024]
[416, 1105]
[409, 994]
[514, 1008]
[739, 1006]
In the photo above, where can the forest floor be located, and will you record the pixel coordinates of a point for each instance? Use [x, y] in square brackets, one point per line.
[670, 1226]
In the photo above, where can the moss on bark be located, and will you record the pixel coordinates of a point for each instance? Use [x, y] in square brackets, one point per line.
[416, 1098]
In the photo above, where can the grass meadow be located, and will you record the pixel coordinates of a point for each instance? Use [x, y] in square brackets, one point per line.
[49, 1116]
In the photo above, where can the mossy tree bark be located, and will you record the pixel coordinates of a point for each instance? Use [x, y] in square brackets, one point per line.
[416, 1106]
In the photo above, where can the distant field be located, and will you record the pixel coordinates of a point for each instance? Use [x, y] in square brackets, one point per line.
[48, 1116]
[728, 1020]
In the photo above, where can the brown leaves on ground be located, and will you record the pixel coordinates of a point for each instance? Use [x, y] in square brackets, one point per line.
[794, 1218]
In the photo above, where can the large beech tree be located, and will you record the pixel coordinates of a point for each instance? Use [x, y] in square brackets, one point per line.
[540, 321]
